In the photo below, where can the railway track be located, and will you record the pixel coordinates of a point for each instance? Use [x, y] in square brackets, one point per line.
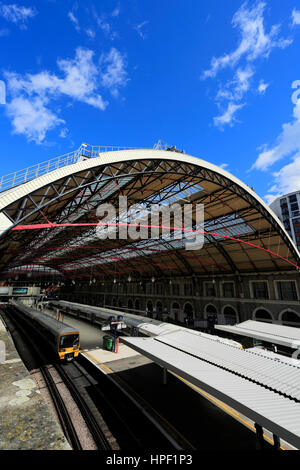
[101, 440]
[59, 401]
[105, 400]
[61, 410]
[113, 419]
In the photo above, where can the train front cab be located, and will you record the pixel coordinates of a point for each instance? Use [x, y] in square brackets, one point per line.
[68, 346]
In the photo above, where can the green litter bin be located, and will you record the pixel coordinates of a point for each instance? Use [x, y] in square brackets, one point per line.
[108, 343]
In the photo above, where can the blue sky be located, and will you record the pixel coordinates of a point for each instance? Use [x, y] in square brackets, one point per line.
[212, 77]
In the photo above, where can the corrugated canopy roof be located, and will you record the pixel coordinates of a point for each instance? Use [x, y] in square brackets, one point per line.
[269, 332]
[265, 390]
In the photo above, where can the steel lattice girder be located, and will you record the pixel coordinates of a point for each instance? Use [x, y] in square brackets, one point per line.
[75, 197]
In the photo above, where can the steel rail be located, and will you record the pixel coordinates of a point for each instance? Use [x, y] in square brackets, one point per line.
[60, 407]
[61, 410]
[65, 420]
[91, 422]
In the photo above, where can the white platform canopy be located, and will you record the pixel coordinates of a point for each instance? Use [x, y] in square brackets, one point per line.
[262, 388]
[269, 332]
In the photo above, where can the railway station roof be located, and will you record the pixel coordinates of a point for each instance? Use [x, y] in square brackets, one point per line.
[269, 332]
[264, 389]
[48, 218]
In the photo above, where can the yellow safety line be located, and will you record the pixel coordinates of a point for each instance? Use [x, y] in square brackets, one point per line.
[145, 401]
[221, 405]
[96, 360]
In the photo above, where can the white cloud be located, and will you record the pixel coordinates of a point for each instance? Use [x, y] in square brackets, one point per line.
[223, 165]
[63, 133]
[139, 29]
[74, 19]
[287, 143]
[101, 22]
[32, 118]
[17, 14]
[80, 79]
[296, 17]
[287, 180]
[228, 117]
[91, 33]
[236, 88]
[262, 87]
[114, 74]
[116, 11]
[255, 42]
[104, 25]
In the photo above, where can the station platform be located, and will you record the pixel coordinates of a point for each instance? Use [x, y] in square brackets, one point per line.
[26, 421]
[172, 403]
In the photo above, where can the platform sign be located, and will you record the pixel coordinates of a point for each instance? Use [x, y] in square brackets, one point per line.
[119, 325]
[19, 290]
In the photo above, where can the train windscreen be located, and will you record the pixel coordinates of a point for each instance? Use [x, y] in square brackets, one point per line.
[69, 341]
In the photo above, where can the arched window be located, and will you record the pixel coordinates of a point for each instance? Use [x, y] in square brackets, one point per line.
[230, 315]
[211, 316]
[211, 309]
[159, 307]
[175, 311]
[188, 310]
[137, 305]
[262, 314]
[290, 318]
[149, 306]
[130, 304]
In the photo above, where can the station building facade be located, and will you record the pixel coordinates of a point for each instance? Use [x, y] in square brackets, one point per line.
[264, 297]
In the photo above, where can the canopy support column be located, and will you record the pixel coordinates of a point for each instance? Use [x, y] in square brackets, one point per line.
[260, 437]
[165, 376]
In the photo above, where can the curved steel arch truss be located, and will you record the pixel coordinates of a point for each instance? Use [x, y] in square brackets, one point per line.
[241, 233]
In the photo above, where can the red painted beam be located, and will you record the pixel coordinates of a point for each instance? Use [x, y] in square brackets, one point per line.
[95, 224]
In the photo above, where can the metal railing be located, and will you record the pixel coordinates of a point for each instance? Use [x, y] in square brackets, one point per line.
[84, 152]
